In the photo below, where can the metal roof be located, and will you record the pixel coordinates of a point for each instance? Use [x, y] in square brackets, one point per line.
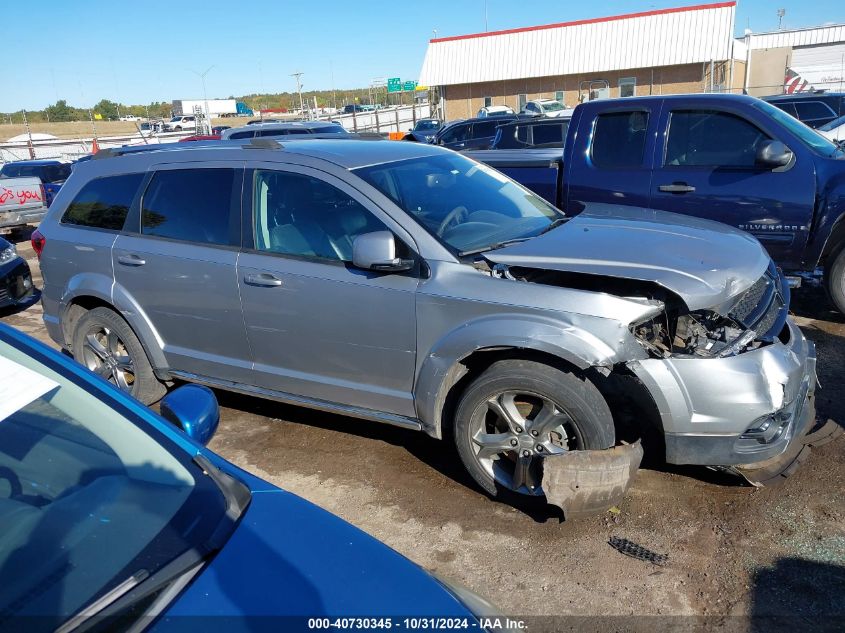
[830, 34]
[664, 37]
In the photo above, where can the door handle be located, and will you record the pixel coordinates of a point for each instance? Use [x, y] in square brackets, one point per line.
[677, 187]
[130, 260]
[264, 280]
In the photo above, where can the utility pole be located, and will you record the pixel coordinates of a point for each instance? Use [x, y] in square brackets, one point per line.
[297, 76]
[202, 75]
[29, 134]
[485, 16]
[781, 13]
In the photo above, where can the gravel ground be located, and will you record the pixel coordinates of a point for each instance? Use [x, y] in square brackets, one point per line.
[733, 550]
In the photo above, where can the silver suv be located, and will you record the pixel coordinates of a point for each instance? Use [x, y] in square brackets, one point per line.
[408, 284]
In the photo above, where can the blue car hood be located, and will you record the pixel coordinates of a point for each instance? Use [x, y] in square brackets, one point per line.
[288, 557]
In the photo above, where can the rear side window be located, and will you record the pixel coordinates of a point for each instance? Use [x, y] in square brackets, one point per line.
[706, 138]
[813, 110]
[619, 139]
[550, 135]
[103, 203]
[484, 129]
[245, 134]
[192, 205]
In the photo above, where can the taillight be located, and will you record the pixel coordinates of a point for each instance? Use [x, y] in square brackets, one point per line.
[38, 242]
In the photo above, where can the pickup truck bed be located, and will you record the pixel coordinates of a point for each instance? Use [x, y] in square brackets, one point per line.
[21, 203]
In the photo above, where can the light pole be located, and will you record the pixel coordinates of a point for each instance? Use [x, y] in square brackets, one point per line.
[296, 76]
[205, 95]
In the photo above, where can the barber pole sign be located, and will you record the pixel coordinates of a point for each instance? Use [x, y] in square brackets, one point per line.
[793, 82]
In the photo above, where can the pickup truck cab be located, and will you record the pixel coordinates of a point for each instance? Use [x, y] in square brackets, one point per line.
[730, 158]
[51, 173]
[180, 123]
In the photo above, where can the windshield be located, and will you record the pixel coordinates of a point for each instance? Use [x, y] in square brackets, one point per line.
[812, 139]
[176, 118]
[47, 173]
[828, 127]
[466, 204]
[424, 125]
[551, 106]
[89, 493]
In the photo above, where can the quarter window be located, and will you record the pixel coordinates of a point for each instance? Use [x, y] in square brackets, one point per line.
[299, 215]
[103, 203]
[706, 138]
[619, 139]
[193, 205]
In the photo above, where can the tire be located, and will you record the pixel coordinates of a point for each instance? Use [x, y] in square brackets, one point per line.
[178, 128]
[104, 343]
[835, 280]
[547, 412]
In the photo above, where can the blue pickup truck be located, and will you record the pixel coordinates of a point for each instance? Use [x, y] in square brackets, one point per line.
[52, 174]
[730, 158]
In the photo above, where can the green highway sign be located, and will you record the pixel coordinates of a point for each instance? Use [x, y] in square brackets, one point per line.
[394, 84]
[409, 86]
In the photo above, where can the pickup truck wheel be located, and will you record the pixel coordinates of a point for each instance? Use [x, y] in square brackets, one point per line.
[835, 280]
[104, 343]
[516, 414]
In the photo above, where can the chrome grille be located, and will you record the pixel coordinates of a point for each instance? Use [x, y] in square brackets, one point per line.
[751, 299]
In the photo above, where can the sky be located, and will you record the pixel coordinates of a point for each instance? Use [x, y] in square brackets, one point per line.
[140, 52]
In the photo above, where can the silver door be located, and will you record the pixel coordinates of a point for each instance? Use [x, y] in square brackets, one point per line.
[178, 267]
[317, 326]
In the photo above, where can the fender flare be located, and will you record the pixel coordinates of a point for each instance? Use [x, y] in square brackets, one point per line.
[102, 287]
[442, 367]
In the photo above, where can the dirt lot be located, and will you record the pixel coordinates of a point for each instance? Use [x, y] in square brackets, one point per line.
[732, 550]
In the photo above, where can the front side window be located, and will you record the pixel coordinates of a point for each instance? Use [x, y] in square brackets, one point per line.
[550, 135]
[813, 110]
[484, 129]
[811, 139]
[103, 203]
[192, 205]
[619, 139]
[466, 204]
[709, 138]
[299, 215]
[455, 134]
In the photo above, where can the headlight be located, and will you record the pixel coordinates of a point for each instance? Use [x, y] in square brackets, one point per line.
[8, 254]
[702, 333]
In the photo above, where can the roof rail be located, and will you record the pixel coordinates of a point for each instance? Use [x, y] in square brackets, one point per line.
[263, 143]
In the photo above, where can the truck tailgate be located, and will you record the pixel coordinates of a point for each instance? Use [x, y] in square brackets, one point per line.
[21, 201]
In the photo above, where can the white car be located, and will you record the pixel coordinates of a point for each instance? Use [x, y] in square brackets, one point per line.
[495, 111]
[130, 117]
[546, 107]
[834, 130]
[181, 123]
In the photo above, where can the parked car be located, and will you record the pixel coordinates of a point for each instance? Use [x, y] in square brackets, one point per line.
[424, 130]
[180, 123]
[408, 284]
[811, 108]
[540, 132]
[351, 108]
[493, 111]
[730, 158]
[283, 129]
[834, 130]
[130, 117]
[546, 107]
[22, 202]
[119, 517]
[200, 137]
[52, 174]
[15, 278]
[471, 133]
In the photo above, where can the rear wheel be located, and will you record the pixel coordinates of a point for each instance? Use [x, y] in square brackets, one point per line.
[104, 343]
[519, 412]
[835, 280]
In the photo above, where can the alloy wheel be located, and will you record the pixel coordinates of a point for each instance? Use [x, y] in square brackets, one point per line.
[513, 431]
[105, 353]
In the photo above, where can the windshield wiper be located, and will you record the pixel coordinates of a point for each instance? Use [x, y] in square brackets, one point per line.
[492, 247]
[237, 497]
[553, 225]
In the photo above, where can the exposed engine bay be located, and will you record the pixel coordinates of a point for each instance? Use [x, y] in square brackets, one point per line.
[674, 331]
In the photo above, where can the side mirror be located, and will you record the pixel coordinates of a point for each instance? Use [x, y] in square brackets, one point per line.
[773, 154]
[194, 409]
[377, 251]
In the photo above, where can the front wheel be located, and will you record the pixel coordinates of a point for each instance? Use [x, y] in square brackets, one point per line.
[519, 412]
[104, 343]
[835, 280]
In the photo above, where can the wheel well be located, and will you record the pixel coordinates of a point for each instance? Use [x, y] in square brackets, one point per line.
[635, 414]
[75, 311]
[834, 241]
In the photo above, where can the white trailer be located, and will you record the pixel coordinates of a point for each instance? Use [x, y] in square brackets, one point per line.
[216, 107]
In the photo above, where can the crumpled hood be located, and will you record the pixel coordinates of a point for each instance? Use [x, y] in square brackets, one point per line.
[703, 262]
